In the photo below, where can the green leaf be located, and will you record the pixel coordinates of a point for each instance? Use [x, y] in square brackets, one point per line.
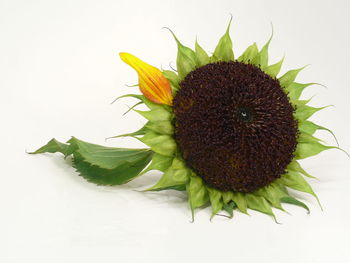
[162, 144]
[223, 50]
[53, 146]
[197, 193]
[274, 69]
[249, 54]
[229, 207]
[308, 149]
[202, 57]
[156, 115]
[289, 77]
[103, 165]
[177, 174]
[295, 166]
[173, 79]
[159, 162]
[240, 201]
[186, 58]
[293, 201]
[260, 204]
[295, 89]
[295, 181]
[215, 200]
[162, 127]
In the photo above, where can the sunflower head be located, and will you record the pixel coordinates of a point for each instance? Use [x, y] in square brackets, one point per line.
[235, 130]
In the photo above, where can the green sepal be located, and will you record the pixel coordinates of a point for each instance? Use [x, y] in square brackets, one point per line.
[293, 201]
[229, 207]
[173, 79]
[223, 50]
[264, 54]
[274, 69]
[176, 175]
[53, 146]
[240, 201]
[295, 181]
[141, 131]
[260, 204]
[215, 198]
[181, 187]
[151, 105]
[310, 128]
[289, 77]
[186, 58]
[202, 57]
[296, 167]
[227, 196]
[161, 127]
[159, 162]
[102, 165]
[162, 144]
[156, 115]
[308, 149]
[307, 138]
[295, 89]
[249, 54]
[273, 193]
[197, 193]
[132, 107]
[303, 112]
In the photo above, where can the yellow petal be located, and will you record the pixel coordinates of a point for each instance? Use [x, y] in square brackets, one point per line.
[153, 84]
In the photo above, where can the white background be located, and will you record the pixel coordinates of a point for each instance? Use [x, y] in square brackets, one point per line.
[59, 72]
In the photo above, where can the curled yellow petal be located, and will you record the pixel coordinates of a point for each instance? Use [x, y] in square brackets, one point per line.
[153, 84]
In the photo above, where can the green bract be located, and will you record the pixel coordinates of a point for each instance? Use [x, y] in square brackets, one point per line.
[113, 166]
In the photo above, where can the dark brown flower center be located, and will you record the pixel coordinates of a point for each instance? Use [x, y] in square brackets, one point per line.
[234, 126]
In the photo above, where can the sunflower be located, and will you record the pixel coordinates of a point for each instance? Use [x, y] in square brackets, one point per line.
[229, 131]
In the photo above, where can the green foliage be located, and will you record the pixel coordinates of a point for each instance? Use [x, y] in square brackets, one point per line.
[197, 193]
[229, 207]
[263, 56]
[249, 54]
[155, 115]
[273, 193]
[303, 112]
[274, 69]
[289, 77]
[223, 50]
[162, 144]
[241, 202]
[293, 201]
[102, 165]
[202, 57]
[53, 146]
[296, 167]
[186, 58]
[295, 89]
[295, 181]
[173, 79]
[215, 197]
[259, 203]
[176, 175]
[159, 162]
[161, 127]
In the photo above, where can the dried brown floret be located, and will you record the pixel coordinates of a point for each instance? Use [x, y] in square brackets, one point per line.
[234, 126]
